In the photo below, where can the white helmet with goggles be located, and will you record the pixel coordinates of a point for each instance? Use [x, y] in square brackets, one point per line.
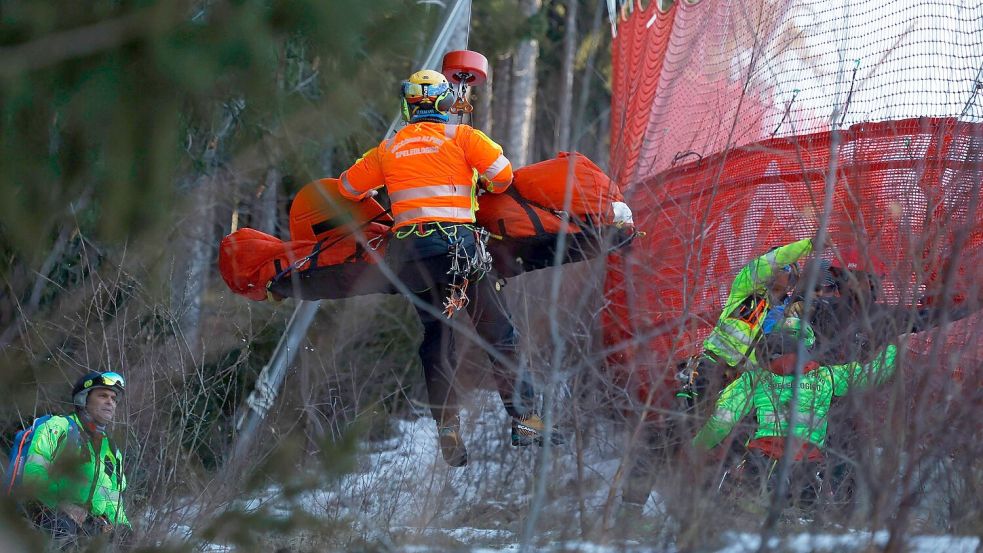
[94, 380]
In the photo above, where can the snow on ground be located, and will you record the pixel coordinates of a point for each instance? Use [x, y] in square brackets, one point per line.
[403, 482]
[403, 495]
[853, 541]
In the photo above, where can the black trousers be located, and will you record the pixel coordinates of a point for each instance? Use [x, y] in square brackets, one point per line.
[68, 535]
[423, 265]
[803, 484]
[661, 441]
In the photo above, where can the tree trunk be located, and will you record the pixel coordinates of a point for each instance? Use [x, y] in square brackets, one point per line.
[265, 210]
[501, 100]
[326, 160]
[561, 139]
[521, 113]
[579, 118]
[195, 247]
[194, 259]
[482, 115]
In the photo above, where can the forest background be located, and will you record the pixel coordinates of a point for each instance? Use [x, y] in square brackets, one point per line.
[135, 134]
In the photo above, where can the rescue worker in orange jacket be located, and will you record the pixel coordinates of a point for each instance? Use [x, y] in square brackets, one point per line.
[431, 170]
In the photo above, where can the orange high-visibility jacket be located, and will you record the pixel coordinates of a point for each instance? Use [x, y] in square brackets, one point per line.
[428, 170]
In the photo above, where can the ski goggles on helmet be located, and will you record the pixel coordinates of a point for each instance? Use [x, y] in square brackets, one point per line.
[416, 93]
[105, 380]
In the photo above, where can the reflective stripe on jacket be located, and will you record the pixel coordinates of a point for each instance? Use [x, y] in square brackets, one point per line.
[770, 396]
[429, 172]
[732, 339]
[57, 471]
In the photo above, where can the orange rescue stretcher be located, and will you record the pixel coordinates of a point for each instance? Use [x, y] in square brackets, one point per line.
[336, 245]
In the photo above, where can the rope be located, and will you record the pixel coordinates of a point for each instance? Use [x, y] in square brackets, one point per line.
[465, 266]
[788, 109]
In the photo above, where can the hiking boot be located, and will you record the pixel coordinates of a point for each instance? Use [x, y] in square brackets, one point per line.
[530, 430]
[452, 446]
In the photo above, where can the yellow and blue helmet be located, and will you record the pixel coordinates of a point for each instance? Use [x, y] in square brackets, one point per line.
[426, 96]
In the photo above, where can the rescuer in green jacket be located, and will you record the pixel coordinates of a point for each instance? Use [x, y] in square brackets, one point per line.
[760, 285]
[73, 475]
[768, 392]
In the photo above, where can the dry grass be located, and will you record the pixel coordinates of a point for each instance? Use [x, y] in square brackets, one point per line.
[345, 464]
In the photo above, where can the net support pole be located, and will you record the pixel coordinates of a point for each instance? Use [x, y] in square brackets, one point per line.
[453, 23]
[271, 377]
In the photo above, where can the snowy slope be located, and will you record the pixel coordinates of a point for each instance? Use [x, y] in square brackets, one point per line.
[403, 497]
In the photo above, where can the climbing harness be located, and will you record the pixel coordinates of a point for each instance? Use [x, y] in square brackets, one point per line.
[465, 266]
[457, 299]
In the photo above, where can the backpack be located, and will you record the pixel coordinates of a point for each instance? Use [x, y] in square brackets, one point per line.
[22, 447]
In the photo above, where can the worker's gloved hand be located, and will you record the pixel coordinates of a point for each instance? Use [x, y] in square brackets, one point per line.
[372, 194]
[692, 384]
[484, 184]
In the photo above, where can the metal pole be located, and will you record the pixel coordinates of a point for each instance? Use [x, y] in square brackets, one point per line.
[439, 46]
[271, 378]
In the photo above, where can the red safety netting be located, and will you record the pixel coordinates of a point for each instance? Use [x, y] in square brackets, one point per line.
[724, 115]
[906, 192]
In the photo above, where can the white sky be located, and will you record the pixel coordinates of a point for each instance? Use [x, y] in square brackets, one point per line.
[915, 59]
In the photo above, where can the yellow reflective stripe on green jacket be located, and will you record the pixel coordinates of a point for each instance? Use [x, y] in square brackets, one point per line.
[38, 461]
[82, 481]
[732, 339]
[770, 395]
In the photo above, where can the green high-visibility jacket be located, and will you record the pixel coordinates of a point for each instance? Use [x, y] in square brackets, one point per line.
[770, 396]
[732, 339]
[59, 470]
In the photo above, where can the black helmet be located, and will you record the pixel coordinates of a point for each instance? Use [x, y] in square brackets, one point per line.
[784, 339]
[90, 381]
